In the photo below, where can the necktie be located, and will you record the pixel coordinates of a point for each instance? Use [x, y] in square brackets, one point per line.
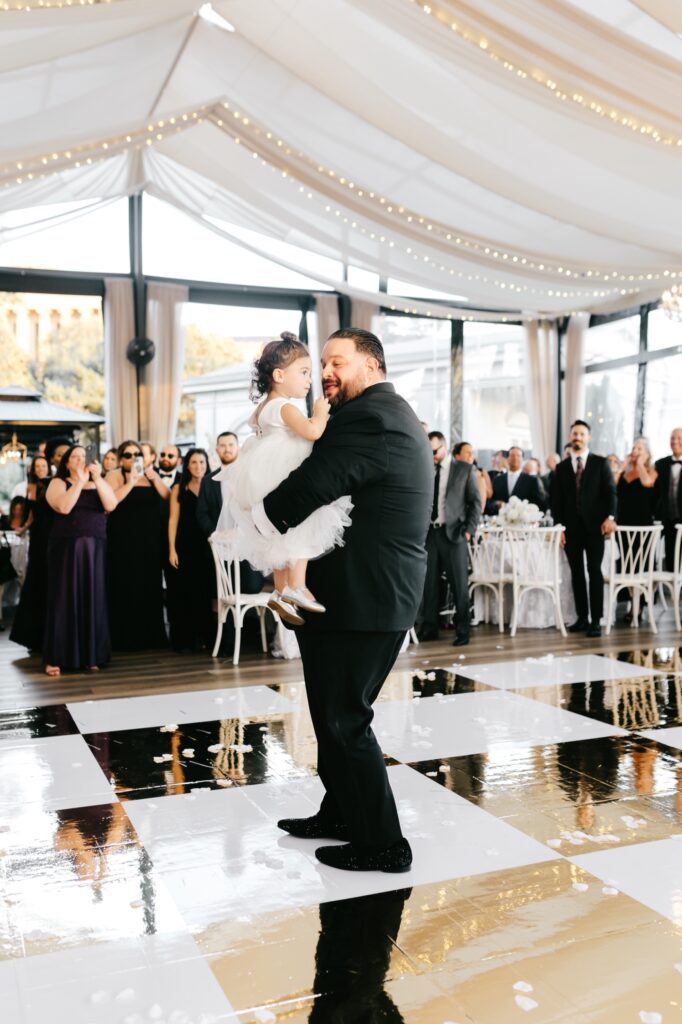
[579, 469]
[436, 490]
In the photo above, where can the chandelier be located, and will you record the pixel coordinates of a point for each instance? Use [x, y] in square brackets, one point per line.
[13, 452]
[671, 301]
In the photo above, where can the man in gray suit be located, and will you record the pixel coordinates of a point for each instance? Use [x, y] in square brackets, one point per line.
[455, 514]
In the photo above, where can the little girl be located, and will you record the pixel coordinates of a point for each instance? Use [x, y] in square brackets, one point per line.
[283, 438]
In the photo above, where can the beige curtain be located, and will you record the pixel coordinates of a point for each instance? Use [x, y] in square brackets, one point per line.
[120, 382]
[327, 317]
[364, 315]
[163, 376]
[541, 383]
[574, 380]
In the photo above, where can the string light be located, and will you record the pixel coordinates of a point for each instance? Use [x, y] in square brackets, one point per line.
[592, 105]
[338, 187]
[48, 5]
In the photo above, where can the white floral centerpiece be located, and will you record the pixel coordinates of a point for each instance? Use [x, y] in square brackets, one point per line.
[516, 513]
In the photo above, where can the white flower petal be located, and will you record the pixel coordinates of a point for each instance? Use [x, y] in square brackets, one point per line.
[522, 986]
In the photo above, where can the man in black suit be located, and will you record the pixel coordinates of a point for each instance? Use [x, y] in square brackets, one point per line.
[547, 478]
[517, 483]
[375, 450]
[584, 501]
[668, 491]
[210, 500]
[455, 514]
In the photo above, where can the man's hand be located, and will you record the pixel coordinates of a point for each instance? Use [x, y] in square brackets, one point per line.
[95, 470]
[608, 527]
[562, 539]
[467, 535]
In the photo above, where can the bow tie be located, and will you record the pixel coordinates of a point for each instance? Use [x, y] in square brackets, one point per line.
[676, 462]
[166, 474]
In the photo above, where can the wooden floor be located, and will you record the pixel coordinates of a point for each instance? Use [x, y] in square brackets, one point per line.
[23, 684]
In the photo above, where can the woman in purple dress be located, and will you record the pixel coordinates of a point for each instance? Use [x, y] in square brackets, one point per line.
[77, 626]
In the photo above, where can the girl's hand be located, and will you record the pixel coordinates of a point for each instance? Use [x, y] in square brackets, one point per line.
[321, 409]
[173, 558]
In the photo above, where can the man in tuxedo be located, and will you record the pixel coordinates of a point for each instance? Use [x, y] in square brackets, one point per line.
[455, 514]
[668, 491]
[169, 465]
[210, 500]
[375, 450]
[584, 502]
[516, 482]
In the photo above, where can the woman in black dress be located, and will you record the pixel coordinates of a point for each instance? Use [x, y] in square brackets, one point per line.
[635, 490]
[135, 553]
[77, 626]
[191, 577]
[29, 619]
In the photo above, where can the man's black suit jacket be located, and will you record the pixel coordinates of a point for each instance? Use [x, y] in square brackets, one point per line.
[597, 494]
[209, 503]
[527, 488]
[662, 488]
[375, 450]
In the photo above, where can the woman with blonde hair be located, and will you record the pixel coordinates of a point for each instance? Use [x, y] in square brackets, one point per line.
[635, 489]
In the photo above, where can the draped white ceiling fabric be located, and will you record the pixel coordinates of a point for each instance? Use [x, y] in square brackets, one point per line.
[525, 155]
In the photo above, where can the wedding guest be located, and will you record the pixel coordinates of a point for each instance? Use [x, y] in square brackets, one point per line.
[552, 461]
[615, 466]
[532, 468]
[54, 449]
[584, 502]
[169, 467]
[567, 451]
[29, 619]
[110, 461]
[455, 514]
[191, 574]
[76, 625]
[148, 453]
[669, 494]
[635, 489]
[16, 516]
[135, 553]
[516, 483]
[213, 492]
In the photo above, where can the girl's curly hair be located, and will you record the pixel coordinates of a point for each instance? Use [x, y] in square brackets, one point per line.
[275, 356]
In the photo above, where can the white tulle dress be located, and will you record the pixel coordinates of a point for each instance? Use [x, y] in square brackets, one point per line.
[266, 459]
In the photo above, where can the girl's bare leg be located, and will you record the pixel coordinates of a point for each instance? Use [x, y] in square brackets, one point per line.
[297, 575]
[281, 578]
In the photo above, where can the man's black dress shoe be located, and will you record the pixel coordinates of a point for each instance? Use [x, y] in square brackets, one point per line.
[579, 626]
[461, 640]
[392, 859]
[594, 630]
[313, 828]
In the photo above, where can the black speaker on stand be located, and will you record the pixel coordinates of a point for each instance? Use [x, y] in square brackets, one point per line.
[140, 351]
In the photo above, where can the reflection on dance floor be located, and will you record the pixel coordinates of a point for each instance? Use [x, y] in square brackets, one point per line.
[142, 876]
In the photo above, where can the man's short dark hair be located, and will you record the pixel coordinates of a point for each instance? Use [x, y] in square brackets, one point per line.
[437, 435]
[517, 447]
[365, 342]
[457, 450]
[227, 433]
[581, 423]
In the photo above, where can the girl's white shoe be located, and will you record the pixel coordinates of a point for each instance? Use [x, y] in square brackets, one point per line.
[298, 597]
[284, 609]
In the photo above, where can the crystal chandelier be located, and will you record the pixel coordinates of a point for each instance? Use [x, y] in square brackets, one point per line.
[671, 301]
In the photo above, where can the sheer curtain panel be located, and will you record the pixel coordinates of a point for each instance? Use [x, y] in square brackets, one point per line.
[574, 380]
[163, 377]
[541, 378]
[120, 382]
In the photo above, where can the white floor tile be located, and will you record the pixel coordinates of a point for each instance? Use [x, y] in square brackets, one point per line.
[241, 864]
[166, 708]
[671, 737]
[53, 773]
[142, 980]
[553, 671]
[649, 872]
[471, 723]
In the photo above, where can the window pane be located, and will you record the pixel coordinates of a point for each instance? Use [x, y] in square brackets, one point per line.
[610, 397]
[418, 360]
[663, 406]
[415, 291]
[96, 242]
[495, 400]
[662, 332]
[220, 346]
[175, 245]
[613, 340]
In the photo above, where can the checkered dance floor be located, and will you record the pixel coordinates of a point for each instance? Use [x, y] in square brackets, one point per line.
[143, 878]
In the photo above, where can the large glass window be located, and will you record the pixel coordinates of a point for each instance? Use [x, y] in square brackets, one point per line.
[63, 237]
[610, 398]
[663, 404]
[418, 359]
[221, 343]
[613, 340]
[175, 245]
[495, 396]
[662, 332]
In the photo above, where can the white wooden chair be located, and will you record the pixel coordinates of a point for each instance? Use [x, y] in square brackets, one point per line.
[488, 549]
[632, 566]
[536, 566]
[231, 601]
[672, 579]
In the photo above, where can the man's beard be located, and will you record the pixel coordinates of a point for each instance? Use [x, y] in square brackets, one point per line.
[347, 391]
[577, 446]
